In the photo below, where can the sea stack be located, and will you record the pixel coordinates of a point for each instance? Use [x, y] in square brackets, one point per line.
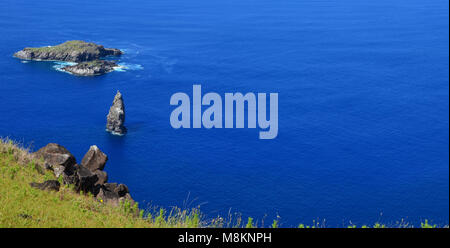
[116, 116]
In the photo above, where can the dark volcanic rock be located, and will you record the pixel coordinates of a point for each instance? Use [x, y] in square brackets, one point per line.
[47, 185]
[110, 186]
[58, 171]
[108, 196]
[86, 177]
[120, 189]
[94, 159]
[73, 51]
[116, 117]
[91, 68]
[114, 194]
[58, 159]
[70, 178]
[56, 156]
[86, 180]
[102, 177]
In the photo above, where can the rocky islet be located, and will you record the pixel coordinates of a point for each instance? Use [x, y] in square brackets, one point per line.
[88, 57]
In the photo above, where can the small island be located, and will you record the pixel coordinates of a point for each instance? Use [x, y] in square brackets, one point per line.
[91, 68]
[87, 56]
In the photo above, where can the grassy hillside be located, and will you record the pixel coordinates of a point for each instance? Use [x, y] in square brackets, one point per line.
[24, 206]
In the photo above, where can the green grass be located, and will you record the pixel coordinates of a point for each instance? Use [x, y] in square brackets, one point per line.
[94, 63]
[67, 47]
[24, 206]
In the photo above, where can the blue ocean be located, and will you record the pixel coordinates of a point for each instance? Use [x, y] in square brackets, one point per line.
[363, 90]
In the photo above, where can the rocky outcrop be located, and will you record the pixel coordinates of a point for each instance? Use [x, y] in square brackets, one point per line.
[102, 177]
[86, 180]
[92, 68]
[86, 54]
[108, 196]
[85, 177]
[114, 194]
[116, 117]
[94, 159]
[55, 155]
[72, 51]
[58, 159]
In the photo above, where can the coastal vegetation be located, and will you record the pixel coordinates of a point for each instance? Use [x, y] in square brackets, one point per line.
[76, 46]
[24, 206]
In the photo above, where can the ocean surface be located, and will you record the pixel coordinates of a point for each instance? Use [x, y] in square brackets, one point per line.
[363, 103]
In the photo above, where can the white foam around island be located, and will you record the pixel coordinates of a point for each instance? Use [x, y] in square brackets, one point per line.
[119, 68]
[60, 64]
[114, 133]
[126, 66]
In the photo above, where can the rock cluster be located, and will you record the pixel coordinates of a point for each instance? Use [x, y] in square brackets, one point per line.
[92, 68]
[116, 117]
[88, 55]
[85, 177]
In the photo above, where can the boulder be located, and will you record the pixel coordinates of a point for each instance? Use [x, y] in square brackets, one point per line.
[70, 179]
[120, 189]
[116, 117]
[58, 170]
[102, 177]
[108, 196]
[113, 194]
[55, 155]
[86, 180]
[68, 176]
[110, 186]
[47, 185]
[94, 159]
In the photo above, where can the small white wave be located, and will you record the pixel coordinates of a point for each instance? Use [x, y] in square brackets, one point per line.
[124, 50]
[127, 66]
[114, 133]
[60, 64]
[63, 63]
[25, 61]
[119, 68]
